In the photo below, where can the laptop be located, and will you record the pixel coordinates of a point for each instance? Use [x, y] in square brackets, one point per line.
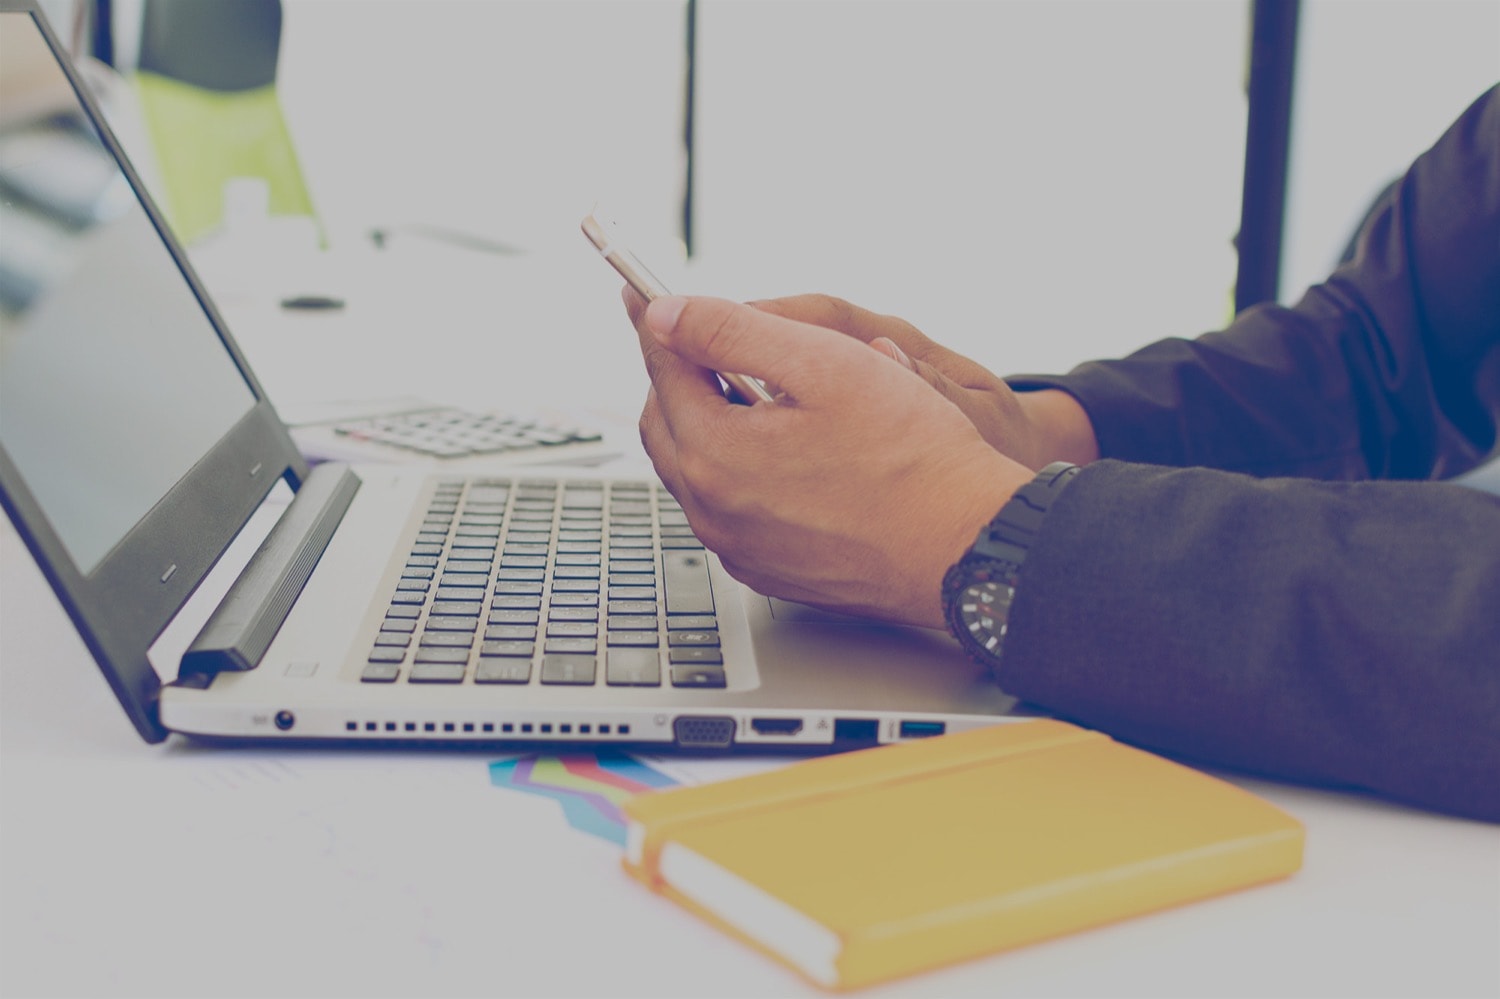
[385, 603]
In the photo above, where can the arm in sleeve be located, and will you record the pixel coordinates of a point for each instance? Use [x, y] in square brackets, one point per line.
[1389, 369]
[1339, 633]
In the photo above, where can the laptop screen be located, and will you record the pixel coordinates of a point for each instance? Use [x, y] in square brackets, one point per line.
[113, 380]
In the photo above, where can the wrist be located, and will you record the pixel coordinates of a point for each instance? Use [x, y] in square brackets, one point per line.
[989, 481]
[1060, 428]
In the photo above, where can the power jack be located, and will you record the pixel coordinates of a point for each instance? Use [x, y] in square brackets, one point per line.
[285, 720]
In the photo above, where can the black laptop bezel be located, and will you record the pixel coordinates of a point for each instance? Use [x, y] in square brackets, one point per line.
[124, 604]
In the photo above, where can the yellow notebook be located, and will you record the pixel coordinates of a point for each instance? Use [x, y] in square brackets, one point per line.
[871, 865]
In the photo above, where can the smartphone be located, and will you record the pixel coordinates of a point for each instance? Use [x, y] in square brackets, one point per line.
[742, 388]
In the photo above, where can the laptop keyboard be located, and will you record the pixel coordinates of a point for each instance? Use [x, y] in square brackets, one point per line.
[559, 583]
[460, 433]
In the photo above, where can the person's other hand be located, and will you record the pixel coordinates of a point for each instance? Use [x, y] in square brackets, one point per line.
[854, 491]
[1033, 427]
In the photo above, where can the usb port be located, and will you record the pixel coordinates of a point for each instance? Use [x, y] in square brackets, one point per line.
[921, 729]
[856, 729]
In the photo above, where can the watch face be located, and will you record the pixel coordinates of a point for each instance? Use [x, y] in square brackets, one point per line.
[983, 609]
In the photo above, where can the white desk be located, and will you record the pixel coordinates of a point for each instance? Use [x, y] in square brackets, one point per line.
[128, 869]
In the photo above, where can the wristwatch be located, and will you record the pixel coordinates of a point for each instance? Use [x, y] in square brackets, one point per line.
[979, 588]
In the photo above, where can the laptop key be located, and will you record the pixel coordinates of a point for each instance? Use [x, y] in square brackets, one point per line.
[467, 565]
[588, 645]
[462, 580]
[456, 593]
[707, 677]
[498, 616]
[685, 579]
[442, 656]
[569, 669]
[632, 622]
[699, 654]
[450, 622]
[520, 575]
[456, 608]
[693, 622]
[503, 670]
[633, 668]
[436, 673]
[642, 639]
[447, 639]
[572, 629]
[509, 649]
[510, 633]
[380, 673]
[384, 654]
[693, 638]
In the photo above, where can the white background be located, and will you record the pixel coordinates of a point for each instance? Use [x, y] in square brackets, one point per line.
[1032, 182]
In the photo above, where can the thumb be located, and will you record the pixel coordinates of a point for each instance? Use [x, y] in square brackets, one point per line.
[727, 336]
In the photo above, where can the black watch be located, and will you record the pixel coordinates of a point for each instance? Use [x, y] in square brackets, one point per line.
[979, 588]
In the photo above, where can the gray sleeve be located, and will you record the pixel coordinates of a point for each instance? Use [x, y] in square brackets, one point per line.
[1341, 633]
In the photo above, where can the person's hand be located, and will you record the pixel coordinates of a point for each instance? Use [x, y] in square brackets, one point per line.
[854, 491]
[1035, 428]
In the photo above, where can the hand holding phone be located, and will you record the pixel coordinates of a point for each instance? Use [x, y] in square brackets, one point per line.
[742, 388]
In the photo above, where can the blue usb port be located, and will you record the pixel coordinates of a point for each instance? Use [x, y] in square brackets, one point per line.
[922, 729]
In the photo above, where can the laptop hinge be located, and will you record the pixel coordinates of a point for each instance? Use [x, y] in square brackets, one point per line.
[248, 618]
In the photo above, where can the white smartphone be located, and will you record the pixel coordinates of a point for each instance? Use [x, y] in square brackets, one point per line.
[742, 388]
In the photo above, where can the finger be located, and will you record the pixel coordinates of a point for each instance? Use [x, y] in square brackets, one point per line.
[680, 386]
[951, 390]
[831, 313]
[634, 303]
[657, 439]
[862, 324]
[726, 336]
[885, 345]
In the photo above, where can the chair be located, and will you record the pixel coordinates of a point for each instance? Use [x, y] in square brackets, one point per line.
[206, 81]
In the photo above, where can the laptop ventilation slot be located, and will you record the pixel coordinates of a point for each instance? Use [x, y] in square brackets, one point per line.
[511, 730]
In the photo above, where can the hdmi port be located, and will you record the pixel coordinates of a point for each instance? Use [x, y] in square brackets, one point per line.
[776, 726]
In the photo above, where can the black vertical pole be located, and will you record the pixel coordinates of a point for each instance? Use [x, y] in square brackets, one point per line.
[1273, 57]
[103, 41]
[689, 93]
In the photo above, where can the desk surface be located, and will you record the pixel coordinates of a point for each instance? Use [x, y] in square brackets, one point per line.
[128, 869]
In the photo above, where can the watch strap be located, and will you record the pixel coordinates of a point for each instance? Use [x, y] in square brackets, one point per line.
[1010, 535]
[979, 618]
